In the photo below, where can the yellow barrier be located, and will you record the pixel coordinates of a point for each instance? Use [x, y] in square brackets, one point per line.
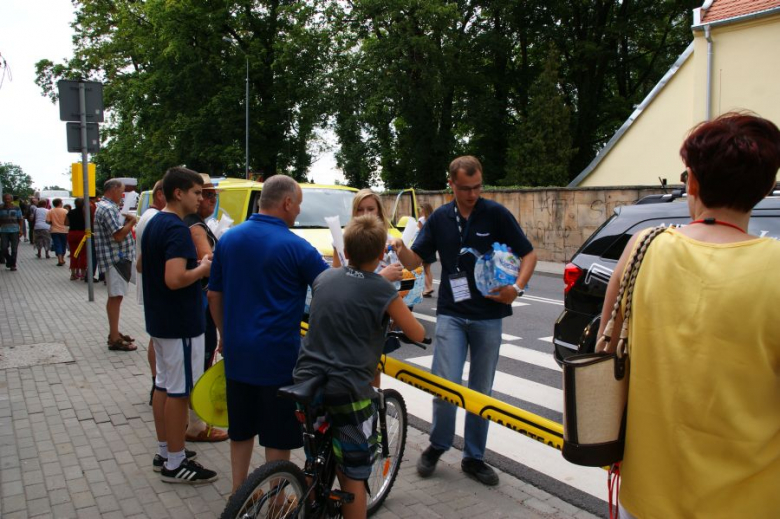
[528, 424]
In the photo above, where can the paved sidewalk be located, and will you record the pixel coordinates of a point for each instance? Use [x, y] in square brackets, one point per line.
[77, 436]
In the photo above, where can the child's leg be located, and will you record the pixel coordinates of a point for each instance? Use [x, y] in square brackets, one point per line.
[357, 508]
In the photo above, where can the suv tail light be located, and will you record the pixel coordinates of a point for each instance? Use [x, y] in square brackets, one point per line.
[570, 276]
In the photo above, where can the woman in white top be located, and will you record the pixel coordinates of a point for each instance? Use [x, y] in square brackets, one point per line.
[41, 229]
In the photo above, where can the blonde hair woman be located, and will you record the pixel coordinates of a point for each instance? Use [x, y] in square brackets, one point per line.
[366, 202]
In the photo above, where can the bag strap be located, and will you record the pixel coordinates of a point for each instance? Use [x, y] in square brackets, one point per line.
[627, 287]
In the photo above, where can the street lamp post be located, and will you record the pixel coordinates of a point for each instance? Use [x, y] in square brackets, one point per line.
[246, 102]
[246, 144]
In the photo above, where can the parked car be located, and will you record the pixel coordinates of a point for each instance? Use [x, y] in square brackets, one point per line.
[587, 275]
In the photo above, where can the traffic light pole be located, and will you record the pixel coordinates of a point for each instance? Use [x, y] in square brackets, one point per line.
[85, 178]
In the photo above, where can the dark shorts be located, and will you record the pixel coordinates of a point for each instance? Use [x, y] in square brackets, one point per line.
[257, 411]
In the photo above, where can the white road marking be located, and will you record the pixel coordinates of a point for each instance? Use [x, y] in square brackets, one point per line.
[510, 444]
[544, 300]
[534, 392]
[432, 319]
[537, 358]
[546, 339]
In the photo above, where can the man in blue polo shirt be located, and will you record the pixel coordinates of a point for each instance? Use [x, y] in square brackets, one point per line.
[466, 321]
[257, 292]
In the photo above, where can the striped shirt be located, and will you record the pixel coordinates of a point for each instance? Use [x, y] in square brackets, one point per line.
[107, 222]
[9, 218]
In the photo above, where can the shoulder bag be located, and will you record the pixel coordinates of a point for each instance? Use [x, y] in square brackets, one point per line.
[595, 385]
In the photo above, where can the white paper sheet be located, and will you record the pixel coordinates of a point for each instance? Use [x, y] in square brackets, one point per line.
[338, 236]
[410, 232]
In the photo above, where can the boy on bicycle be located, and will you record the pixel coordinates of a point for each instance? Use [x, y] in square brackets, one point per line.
[350, 312]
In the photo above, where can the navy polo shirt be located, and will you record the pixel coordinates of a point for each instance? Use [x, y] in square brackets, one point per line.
[489, 222]
[263, 271]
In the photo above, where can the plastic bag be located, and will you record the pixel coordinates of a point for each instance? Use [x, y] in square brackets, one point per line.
[496, 268]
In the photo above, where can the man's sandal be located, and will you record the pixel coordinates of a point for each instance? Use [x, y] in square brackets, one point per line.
[124, 337]
[209, 434]
[121, 345]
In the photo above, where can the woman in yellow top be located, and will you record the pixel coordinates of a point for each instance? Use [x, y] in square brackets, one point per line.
[703, 429]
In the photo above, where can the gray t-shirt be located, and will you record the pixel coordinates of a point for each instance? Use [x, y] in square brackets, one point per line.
[347, 328]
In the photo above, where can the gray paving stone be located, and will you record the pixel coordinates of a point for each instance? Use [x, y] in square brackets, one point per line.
[77, 439]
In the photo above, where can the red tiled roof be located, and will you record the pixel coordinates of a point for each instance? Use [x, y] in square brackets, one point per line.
[726, 9]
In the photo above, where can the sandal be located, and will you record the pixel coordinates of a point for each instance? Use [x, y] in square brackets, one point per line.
[124, 337]
[428, 294]
[209, 434]
[121, 345]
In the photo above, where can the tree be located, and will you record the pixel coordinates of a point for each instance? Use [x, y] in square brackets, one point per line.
[174, 75]
[15, 180]
[540, 148]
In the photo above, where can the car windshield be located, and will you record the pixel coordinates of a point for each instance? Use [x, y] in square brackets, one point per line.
[319, 203]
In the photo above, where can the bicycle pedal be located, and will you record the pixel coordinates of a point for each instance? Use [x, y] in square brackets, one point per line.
[341, 496]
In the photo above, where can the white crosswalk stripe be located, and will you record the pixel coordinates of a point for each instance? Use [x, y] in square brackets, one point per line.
[539, 394]
[529, 356]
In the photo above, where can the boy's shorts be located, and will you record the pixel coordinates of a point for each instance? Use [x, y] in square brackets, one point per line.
[179, 364]
[257, 411]
[355, 436]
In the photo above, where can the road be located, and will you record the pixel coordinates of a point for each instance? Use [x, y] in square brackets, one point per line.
[527, 377]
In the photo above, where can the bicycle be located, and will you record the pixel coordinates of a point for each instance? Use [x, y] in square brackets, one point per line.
[281, 490]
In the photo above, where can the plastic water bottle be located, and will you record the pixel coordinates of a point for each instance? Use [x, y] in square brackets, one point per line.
[390, 258]
[505, 264]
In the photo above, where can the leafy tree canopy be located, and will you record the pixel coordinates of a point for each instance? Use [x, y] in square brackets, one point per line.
[405, 85]
[15, 180]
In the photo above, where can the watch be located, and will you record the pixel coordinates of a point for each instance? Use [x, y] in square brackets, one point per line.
[519, 290]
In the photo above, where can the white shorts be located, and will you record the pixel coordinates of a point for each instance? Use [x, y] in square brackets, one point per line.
[117, 286]
[179, 364]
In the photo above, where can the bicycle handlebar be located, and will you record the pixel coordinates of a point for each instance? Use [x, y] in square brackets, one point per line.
[403, 338]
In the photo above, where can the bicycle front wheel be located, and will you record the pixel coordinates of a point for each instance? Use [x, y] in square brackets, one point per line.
[272, 491]
[386, 469]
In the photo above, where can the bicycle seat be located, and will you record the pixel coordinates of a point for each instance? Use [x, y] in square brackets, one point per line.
[303, 392]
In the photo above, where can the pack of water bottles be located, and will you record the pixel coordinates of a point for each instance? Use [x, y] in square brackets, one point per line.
[496, 268]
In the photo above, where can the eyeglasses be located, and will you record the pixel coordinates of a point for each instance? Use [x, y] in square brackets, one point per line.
[467, 189]
[209, 194]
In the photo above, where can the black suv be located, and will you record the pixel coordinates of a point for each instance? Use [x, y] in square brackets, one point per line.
[587, 275]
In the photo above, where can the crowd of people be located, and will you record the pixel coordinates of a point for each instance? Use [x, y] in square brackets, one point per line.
[243, 296]
[59, 229]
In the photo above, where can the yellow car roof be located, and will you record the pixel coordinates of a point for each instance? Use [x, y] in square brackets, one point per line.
[240, 183]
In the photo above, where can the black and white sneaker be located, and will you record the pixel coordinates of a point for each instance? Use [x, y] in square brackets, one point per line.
[189, 472]
[159, 462]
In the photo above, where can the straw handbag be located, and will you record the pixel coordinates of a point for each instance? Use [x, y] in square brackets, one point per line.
[595, 385]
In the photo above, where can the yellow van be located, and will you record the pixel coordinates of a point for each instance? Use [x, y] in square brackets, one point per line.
[238, 199]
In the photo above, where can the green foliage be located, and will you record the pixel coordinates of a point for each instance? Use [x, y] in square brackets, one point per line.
[405, 85]
[540, 148]
[15, 180]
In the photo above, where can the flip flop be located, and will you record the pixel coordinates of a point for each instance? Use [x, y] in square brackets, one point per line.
[121, 345]
[428, 294]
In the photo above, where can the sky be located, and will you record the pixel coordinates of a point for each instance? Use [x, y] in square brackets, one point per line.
[31, 133]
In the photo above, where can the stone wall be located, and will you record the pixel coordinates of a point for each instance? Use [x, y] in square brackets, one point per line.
[556, 220]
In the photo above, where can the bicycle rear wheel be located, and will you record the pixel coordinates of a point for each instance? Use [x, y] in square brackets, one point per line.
[272, 491]
[386, 469]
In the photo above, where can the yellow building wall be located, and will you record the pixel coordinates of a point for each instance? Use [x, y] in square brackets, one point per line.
[746, 68]
[746, 75]
[650, 147]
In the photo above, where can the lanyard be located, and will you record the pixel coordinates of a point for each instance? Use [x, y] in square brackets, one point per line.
[463, 233]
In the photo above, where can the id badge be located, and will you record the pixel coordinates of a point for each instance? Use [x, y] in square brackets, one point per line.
[459, 284]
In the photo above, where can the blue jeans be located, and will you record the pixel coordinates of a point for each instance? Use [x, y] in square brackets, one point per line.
[59, 243]
[455, 337]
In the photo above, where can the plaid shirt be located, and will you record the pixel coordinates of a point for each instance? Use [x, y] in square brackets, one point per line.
[107, 222]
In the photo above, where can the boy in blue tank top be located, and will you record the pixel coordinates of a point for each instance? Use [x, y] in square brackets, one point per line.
[350, 310]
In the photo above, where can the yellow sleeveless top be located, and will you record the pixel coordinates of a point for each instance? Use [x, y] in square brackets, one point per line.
[703, 436]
